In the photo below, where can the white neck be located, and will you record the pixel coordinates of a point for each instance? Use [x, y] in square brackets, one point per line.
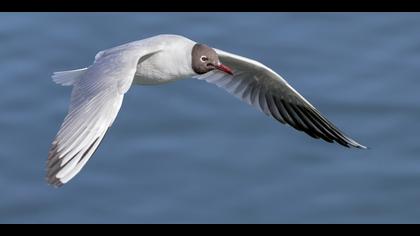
[171, 64]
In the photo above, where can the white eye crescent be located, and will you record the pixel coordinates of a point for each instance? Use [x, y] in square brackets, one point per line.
[203, 58]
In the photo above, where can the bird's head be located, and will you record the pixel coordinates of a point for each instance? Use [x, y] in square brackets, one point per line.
[205, 59]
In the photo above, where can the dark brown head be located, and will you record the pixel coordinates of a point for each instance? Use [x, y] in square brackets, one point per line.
[205, 59]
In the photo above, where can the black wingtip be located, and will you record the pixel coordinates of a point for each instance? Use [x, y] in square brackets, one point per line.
[52, 165]
[53, 181]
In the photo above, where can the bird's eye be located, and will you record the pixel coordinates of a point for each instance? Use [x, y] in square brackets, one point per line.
[204, 58]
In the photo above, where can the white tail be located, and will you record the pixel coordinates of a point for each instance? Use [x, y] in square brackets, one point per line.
[69, 77]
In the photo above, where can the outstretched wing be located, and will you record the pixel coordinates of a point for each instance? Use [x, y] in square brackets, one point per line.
[96, 98]
[263, 88]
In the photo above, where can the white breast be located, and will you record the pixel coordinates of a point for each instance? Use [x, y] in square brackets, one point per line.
[172, 63]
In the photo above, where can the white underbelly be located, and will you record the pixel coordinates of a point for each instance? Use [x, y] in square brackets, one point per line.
[153, 71]
[144, 80]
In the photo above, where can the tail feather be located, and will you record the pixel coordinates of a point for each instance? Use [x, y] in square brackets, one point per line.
[69, 77]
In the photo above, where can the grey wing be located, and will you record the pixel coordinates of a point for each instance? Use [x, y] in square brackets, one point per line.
[261, 87]
[95, 101]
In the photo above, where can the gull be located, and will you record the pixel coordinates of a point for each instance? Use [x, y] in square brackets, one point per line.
[98, 92]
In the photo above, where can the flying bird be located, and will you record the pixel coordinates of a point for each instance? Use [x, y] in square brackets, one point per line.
[98, 92]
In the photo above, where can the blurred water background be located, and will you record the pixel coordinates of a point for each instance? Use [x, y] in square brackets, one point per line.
[188, 152]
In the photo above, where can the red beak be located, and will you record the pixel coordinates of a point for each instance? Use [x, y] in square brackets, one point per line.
[224, 68]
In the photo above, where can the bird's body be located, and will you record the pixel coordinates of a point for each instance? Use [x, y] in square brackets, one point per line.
[98, 92]
[152, 71]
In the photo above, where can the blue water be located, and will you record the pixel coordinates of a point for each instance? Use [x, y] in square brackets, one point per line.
[188, 152]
